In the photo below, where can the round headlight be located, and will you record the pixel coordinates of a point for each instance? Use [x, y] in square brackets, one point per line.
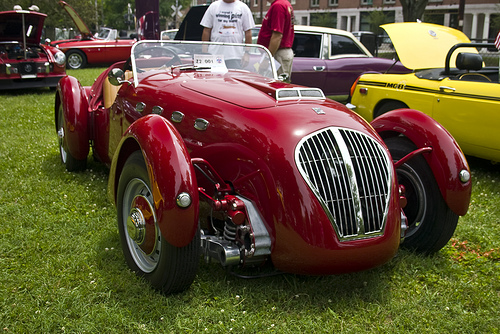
[60, 58]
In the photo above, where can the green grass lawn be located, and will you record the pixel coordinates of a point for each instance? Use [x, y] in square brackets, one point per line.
[62, 270]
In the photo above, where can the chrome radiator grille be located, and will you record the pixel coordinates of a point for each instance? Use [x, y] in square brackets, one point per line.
[351, 174]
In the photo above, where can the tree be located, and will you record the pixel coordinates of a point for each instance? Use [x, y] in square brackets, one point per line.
[377, 18]
[413, 10]
[167, 13]
[115, 14]
[56, 15]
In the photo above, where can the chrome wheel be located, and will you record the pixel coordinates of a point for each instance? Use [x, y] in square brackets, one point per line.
[142, 233]
[166, 267]
[75, 59]
[60, 135]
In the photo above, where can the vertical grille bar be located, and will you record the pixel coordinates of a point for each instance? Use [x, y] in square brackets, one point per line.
[350, 174]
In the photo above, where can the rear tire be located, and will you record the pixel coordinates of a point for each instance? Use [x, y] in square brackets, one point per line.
[389, 106]
[167, 268]
[72, 164]
[431, 223]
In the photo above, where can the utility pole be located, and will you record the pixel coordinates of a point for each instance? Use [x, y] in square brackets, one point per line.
[96, 18]
[461, 10]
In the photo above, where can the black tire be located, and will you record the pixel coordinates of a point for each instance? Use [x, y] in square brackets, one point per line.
[72, 164]
[388, 106]
[167, 268]
[75, 59]
[431, 223]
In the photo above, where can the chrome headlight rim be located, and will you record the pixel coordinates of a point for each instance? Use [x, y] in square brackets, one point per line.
[60, 58]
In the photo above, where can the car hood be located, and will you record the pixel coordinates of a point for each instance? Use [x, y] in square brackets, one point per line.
[260, 97]
[424, 45]
[11, 26]
[80, 25]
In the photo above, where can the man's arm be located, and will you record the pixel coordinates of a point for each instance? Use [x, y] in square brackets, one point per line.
[205, 36]
[248, 36]
[274, 43]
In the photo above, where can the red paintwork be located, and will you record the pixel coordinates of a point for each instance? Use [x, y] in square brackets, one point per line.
[37, 58]
[75, 106]
[250, 142]
[446, 159]
[98, 51]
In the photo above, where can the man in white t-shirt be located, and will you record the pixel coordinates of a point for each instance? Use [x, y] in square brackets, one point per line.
[228, 21]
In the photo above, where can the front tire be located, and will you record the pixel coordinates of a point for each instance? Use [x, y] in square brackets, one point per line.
[72, 164]
[431, 223]
[168, 268]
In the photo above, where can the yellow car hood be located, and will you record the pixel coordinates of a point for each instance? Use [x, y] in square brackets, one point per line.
[425, 45]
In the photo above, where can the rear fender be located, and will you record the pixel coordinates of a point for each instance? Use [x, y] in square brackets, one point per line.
[74, 100]
[446, 158]
[170, 172]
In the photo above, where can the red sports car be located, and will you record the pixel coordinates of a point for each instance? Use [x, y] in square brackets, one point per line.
[24, 62]
[103, 48]
[248, 170]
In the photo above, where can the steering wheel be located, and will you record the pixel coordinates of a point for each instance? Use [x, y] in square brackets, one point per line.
[169, 51]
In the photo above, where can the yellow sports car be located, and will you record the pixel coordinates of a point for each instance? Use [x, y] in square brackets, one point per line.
[449, 83]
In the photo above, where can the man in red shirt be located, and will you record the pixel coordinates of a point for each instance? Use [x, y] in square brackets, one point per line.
[277, 34]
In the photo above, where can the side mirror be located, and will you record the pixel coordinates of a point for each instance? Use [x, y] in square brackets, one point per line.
[116, 77]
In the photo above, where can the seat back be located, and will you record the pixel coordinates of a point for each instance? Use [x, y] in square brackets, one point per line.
[469, 61]
[109, 91]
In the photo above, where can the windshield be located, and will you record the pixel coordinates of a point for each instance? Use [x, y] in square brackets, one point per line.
[198, 56]
[106, 34]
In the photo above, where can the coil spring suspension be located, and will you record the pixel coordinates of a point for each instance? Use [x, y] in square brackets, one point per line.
[229, 230]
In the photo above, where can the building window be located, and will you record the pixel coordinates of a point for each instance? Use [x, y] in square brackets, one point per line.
[293, 2]
[255, 3]
[366, 2]
[333, 2]
[389, 2]
[314, 3]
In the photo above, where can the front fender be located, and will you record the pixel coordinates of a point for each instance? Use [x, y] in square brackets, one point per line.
[74, 100]
[446, 159]
[170, 172]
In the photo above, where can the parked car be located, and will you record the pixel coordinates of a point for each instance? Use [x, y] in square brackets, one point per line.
[248, 170]
[105, 47]
[449, 84]
[332, 59]
[24, 62]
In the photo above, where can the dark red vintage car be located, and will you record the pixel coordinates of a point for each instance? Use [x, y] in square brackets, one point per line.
[248, 170]
[104, 48]
[24, 62]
